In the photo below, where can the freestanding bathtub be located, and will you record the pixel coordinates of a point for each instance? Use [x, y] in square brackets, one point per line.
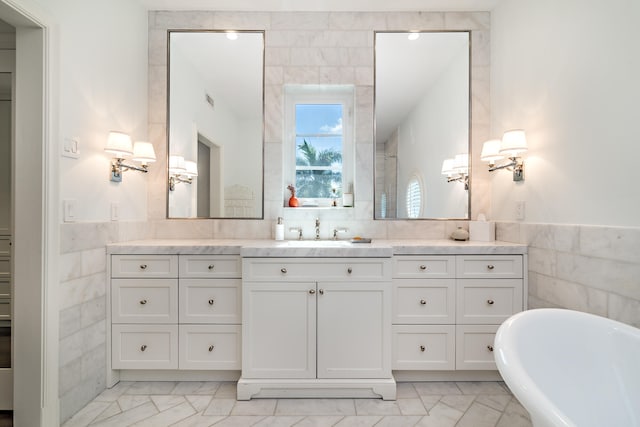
[570, 368]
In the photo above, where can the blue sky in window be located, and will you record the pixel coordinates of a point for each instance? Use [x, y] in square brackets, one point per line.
[318, 119]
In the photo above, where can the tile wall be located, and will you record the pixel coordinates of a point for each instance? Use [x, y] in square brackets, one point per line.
[587, 268]
[82, 299]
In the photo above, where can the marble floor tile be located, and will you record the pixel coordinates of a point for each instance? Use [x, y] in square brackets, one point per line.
[204, 404]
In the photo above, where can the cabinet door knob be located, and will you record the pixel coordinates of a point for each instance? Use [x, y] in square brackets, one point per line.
[423, 267]
[321, 291]
[490, 301]
[283, 270]
[143, 266]
[490, 347]
[312, 291]
[211, 301]
[423, 301]
[349, 270]
[143, 302]
[143, 347]
[422, 348]
[211, 267]
[211, 347]
[490, 267]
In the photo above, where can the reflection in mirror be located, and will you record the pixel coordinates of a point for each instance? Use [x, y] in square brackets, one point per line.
[215, 124]
[421, 120]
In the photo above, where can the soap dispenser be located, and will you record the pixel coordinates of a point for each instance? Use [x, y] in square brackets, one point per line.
[279, 229]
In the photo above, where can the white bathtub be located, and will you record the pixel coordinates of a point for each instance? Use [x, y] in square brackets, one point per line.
[570, 368]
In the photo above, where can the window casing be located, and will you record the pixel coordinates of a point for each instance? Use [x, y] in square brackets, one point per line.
[319, 148]
[414, 197]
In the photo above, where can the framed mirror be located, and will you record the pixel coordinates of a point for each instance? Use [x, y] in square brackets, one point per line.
[215, 124]
[422, 125]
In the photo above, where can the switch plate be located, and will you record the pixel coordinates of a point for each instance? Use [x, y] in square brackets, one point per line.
[69, 210]
[71, 148]
[520, 210]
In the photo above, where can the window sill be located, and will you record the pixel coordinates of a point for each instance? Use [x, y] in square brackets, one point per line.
[309, 208]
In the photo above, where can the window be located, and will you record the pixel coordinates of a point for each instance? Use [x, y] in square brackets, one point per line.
[318, 147]
[414, 197]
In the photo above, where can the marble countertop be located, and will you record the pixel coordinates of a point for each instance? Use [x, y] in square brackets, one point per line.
[312, 248]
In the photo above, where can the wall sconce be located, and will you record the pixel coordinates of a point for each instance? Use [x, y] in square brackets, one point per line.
[119, 144]
[512, 145]
[457, 169]
[181, 170]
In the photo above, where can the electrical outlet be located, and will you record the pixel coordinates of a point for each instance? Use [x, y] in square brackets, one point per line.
[520, 210]
[115, 211]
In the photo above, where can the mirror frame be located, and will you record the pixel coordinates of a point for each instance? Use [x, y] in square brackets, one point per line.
[469, 122]
[168, 121]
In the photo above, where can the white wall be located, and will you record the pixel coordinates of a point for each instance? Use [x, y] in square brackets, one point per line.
[567, 72]
[102, 86]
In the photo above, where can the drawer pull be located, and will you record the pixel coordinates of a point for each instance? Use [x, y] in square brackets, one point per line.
[143, 266]
[211, 348]
[211, 301]
[423, 267]
[143, 302]
[143, 348]
[349, 270]
[312, 291]
[490, 347]
[283, 270]
[490, 301]
[211, 267]
[423, 302]
[422, 348]
[321, 291]
[490, 267]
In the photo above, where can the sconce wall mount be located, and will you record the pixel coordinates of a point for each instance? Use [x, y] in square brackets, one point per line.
[181, 171]
[119, 144]
[511, 147]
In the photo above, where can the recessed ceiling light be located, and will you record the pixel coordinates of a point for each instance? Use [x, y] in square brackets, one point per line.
[232, 35]
[413, 36]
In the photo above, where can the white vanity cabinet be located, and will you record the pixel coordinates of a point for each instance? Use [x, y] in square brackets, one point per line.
[173, 312]
[447, 309]
[316, 327]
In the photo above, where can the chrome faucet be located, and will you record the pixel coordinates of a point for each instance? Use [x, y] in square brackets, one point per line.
[297, 230]
[317, 228]
[338, 230]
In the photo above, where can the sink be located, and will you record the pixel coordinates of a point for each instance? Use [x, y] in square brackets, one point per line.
[319, 243]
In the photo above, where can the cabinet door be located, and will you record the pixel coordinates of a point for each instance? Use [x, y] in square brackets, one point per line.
[354, 330]
[279, 325]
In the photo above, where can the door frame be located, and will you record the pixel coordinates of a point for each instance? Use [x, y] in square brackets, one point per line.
[36, 219]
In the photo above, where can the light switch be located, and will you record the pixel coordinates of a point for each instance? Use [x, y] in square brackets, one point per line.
[69, 210]
[71, 148]
[115, 211]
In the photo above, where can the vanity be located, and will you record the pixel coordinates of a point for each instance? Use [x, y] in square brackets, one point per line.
[310, 319]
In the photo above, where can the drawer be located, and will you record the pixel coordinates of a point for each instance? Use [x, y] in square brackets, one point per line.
[496, 266]
[5, 267]
[206, 266]
[424, 266]
[134, 266]
[144, 300]
[325, 269]
[5, 246]
[210, 301]
[487, 301]
[144, 346]
[474, 347]
[210, 347]
[423, 347]
[5, 309]
[5, 288]
[424, 301]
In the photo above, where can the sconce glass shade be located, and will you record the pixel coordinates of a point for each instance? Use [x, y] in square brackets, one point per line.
[143, 152]
[119, 144]
[461, 163]
[176, 165]
[491, 151]
[191, 169]
[514, 142]
[447, 167]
